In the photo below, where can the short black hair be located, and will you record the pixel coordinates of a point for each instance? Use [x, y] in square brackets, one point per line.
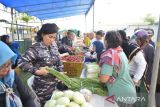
[4, 38]
[122, 34]
[113, 39]
[47, 28]
[150, 31]
[69, 32]
[100, 32]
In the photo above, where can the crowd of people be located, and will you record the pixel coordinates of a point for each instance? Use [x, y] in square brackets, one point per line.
[124, 63]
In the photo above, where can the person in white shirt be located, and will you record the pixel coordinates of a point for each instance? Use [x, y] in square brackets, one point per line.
[137, 65]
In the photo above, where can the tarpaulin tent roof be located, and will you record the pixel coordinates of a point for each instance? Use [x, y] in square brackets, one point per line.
[47, 9]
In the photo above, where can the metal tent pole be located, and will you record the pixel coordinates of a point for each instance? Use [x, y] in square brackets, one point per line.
[85, 23]
[93, 16]
[41, 22]
[152, 102]
[12, 32]
[6, 31]
[17, 25]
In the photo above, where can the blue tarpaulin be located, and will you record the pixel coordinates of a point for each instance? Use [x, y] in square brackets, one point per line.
[50, 9]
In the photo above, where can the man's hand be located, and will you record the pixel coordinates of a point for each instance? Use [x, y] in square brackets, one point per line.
[41, 72]
[70, 48]
[73, 49]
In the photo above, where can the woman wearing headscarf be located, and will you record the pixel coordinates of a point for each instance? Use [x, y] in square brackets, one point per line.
[14, 46]
[115, 73]
[12, 91]
[41, 54]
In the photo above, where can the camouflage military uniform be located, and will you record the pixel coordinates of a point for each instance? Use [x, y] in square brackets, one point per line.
[38, 56]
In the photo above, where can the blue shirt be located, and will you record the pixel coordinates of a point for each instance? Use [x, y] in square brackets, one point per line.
[99, 46]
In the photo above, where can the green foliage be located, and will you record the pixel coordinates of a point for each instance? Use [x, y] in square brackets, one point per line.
[149, 19]
[26, 18]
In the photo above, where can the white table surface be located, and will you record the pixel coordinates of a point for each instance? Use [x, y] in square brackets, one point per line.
[99, 101]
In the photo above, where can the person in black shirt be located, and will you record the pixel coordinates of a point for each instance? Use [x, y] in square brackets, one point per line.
[67, 43]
